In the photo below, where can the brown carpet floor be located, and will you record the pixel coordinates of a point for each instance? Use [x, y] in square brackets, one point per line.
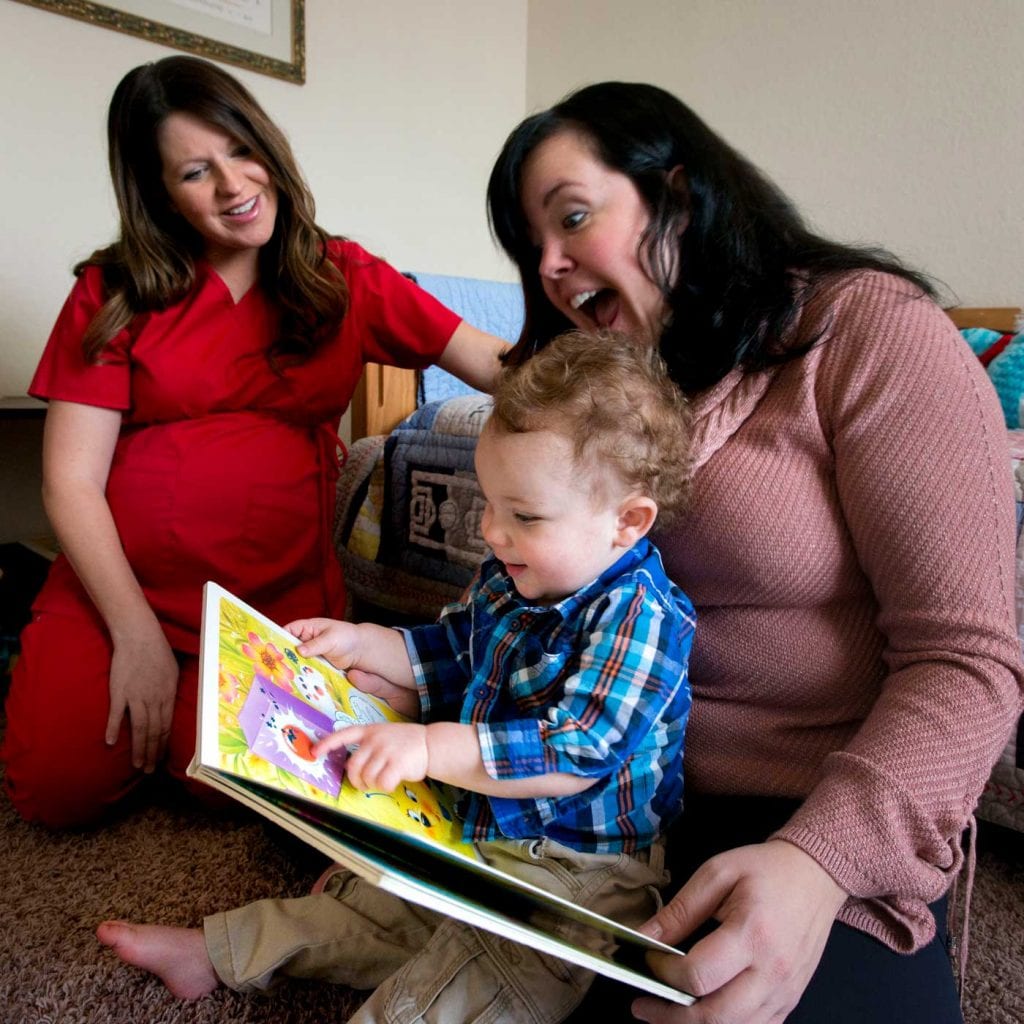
[169, 862]
[165, 862]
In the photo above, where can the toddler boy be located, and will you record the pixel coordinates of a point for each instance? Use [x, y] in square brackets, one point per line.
[554, 694]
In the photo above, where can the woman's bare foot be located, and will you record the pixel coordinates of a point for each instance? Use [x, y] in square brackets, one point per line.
[177, 956]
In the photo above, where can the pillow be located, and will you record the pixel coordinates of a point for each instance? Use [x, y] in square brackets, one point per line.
[1003, 357]
[407, 528]
[492, 306]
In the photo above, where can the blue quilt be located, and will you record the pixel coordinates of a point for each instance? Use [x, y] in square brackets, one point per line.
[492, 306]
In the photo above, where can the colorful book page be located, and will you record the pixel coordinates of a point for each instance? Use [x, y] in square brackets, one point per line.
[273, 704]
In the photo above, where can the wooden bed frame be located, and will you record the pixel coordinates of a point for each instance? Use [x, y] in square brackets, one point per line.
[385, 395]
[996, 318]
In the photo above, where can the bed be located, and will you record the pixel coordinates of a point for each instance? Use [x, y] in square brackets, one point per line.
[408, 512]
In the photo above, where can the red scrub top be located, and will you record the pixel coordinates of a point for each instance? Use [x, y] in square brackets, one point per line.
[225, 469]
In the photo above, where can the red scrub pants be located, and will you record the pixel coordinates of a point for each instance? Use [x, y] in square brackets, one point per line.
[59, 769]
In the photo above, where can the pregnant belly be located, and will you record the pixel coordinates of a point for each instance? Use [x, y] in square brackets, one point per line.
[236, 498]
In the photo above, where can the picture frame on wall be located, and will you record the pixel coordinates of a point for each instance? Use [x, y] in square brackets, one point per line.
[268, 36]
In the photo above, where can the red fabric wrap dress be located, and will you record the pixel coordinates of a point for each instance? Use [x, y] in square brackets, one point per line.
[224, 470]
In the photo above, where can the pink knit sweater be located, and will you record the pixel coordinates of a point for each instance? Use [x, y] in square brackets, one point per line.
[850, 552]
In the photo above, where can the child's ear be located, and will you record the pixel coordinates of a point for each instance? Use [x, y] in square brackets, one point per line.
[636, 516]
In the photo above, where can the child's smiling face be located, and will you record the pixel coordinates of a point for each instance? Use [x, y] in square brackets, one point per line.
[545, 520]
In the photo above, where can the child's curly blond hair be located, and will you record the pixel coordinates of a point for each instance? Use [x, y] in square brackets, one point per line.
[613, 401]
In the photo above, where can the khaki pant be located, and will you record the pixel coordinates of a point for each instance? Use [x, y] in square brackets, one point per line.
[424, 966]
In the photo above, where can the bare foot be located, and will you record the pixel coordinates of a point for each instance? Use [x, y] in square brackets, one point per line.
[177, 956]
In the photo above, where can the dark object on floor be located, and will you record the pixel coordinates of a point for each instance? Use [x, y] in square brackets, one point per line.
[22, 572]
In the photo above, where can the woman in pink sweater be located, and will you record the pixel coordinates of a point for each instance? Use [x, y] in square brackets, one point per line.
[850, 552]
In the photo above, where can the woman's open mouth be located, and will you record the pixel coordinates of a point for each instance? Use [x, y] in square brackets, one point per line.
[243, 208]
[600, 306]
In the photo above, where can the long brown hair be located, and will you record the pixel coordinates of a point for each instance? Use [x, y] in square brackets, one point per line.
[735, 277]
[152, 264]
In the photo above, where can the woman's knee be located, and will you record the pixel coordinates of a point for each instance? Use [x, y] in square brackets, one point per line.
[47, 787]
[59, 771]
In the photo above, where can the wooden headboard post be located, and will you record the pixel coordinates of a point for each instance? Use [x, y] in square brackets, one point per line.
[996, 318]
[384, 396]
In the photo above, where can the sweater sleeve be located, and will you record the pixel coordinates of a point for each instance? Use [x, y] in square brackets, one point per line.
[923, 480]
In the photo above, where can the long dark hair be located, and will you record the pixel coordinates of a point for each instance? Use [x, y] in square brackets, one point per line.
[742, 266]
[152, 264]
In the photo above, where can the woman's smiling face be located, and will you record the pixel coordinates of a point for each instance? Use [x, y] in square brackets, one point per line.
[588, 223]
[218, 185]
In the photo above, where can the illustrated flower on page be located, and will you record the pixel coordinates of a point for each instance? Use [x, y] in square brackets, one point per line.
[269, 662]
[228, 685]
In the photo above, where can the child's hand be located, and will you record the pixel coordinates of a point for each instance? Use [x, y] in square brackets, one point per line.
[405, 701]
[336, 641]
[387, 754]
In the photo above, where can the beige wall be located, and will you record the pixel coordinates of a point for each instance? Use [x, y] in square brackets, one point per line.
[404, 108]
[897, 122]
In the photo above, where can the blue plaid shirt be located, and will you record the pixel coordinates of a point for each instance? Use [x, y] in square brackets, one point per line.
[595, 685]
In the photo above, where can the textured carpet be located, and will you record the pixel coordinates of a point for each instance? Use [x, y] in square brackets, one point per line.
[167, 861]
[994, 993]
[164, 862]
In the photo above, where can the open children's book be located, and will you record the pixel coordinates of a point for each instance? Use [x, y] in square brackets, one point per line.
[262, 706]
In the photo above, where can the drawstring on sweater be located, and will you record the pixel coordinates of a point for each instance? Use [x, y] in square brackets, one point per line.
[959, 944]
